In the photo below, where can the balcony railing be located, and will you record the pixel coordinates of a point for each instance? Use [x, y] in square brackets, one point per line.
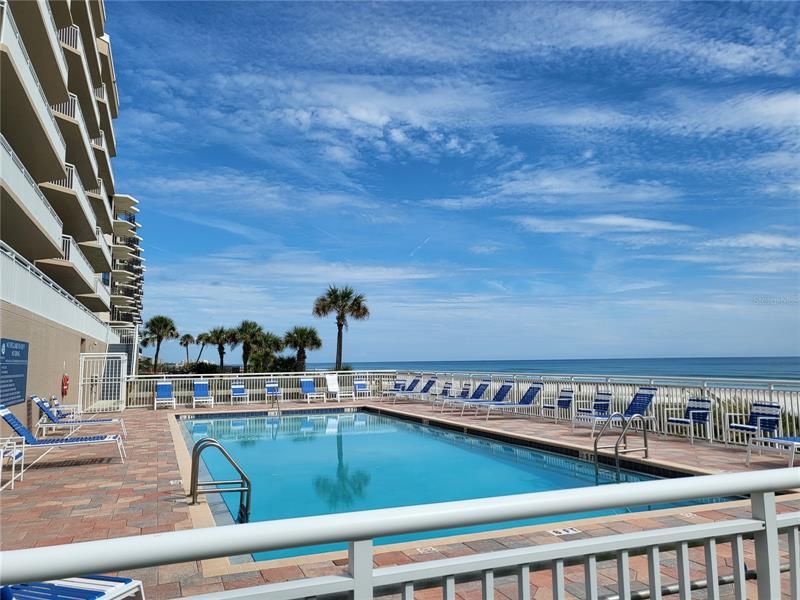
[73, 253]
[69, 107]
[100, 141]
[73, 182]
[100, 92]
[6, 16]
[71, 36]
[101, 239]
[30, 180]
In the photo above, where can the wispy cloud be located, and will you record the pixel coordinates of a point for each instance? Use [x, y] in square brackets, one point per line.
[600, 225]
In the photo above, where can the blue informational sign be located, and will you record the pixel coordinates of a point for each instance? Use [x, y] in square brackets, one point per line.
[13, 371]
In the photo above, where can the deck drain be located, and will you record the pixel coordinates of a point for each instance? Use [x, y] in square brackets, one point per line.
[564, 531]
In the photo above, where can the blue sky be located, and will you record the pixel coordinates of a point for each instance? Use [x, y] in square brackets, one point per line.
[500, 180]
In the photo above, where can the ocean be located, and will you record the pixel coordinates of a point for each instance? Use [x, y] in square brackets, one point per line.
[775, 367]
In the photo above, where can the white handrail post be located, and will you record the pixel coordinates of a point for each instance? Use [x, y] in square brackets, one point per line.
[766, 545]
[359, 555]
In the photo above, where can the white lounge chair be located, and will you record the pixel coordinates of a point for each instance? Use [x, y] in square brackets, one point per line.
[50, 421]
[12, 453]
[332, 383]
[781, 445]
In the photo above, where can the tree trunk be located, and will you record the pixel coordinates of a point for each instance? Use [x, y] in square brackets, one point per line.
[245, 357]
[221, 350]
[155, 359]
[187, 355]
[300, 361]
[339, 327]
[199, 354]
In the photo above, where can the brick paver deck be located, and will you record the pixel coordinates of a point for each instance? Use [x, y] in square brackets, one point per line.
[74, 495]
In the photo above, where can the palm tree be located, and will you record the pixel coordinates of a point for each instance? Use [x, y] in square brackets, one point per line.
[220, 337]
[156, 330]
[187, 339]
[302, 339]
[202, 339]
[248, 333]
[264, 349]
[344, 302]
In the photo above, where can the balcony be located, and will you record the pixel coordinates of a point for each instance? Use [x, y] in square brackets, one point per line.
[121, 296]
[82, 18]
[103, 161]
[29, 223]
[98, 11]
[79, 145]
[120, 316]
[101, 204]
[125, 225]
[109, 76]
[106, 123]
[72, 272]
[98, 301]
[98, 252]
[22, 284]
[69, 199]
[38, 27]
[26, 120]
[80, 80]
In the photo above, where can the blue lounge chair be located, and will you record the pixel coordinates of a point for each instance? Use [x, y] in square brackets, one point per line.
[164, 395]
[480, 390]
[442, 394]
[462, 395]
[309, 390]
[638, 407]
[498, 398]
[399, 386]
[201, 394]
[272, 392]
[562, 406]
[34, 442]
[361, 388]
[526, 404]
[422, 393]
[89, 587]
[781, 445]
[696, 413]
[239, 393]
[764, 420]
[50, 421]
[64, 411]
[600, 409]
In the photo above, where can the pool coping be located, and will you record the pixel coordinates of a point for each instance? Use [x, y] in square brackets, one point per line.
[201, 514]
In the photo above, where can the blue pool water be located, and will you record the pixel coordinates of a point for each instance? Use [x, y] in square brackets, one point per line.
[324, 464]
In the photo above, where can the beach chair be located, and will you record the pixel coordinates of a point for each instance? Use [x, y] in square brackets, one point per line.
[601, 405]
[49, 421]
[696, 413]
[637, 408]
[498, 398]
[525, 405]
[399, 386]
[64, 411]
[32, 441]
[764, 420]
[462, 395]
[309, 390]
[480, 390]
[201, 395]
[442, 394]
[12, 453]
[423, 392]
[273, 393]
[781, 445]
[561, 407]
[361, 388]
[88, 587]
[239, 393]
[332, 383]
[164, 395]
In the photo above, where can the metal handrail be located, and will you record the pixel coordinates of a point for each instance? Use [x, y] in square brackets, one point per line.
[212, 486]
[621, 439]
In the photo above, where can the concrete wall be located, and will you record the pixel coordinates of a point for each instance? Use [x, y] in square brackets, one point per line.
[53, 350]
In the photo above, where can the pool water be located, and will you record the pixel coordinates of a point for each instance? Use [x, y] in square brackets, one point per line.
[319, 464]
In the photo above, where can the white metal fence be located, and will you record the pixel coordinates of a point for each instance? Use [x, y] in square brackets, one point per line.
[769, 531]
[101, 382]
[729, 396]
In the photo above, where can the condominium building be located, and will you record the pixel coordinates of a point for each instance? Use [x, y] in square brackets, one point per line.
[71, 266]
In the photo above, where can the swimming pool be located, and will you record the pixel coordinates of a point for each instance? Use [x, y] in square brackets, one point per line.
[317, 464]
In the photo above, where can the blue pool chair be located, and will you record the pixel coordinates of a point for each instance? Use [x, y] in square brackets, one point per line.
[88, 587]
[498, 398]
[64, 411]
[788, 445]
[399, 386]
[309, 390]
[422, 393]
[273, 393]
[525, 405]
[696, 413]
[32, 441]
[361, 388]
[50, 421]
[443, 394]
[764, 420]
[201, 394]
[239, 393]
[600, 409]
[638, 407]
[164, 395]
[480, 390]
[562, 406]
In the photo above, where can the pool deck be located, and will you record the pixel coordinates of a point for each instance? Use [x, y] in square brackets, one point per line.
[73, 495]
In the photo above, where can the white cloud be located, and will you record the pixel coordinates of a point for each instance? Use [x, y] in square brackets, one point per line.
[599, 225]
[766, 241]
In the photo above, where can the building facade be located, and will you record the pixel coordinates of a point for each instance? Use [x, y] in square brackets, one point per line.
[71, 270]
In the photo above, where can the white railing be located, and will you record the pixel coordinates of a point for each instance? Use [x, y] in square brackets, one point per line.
[101, 289]
[73, 181]
[100, 140]
[104, 247]
[142, 388]
[68, 107]
[6, 15]
[364, 581]
[729, 396]
[71, 36]
[100, 92]
[100, 191]
[74, 254]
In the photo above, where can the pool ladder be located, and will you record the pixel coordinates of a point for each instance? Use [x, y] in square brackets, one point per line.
[622, 440]
[244, 487]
